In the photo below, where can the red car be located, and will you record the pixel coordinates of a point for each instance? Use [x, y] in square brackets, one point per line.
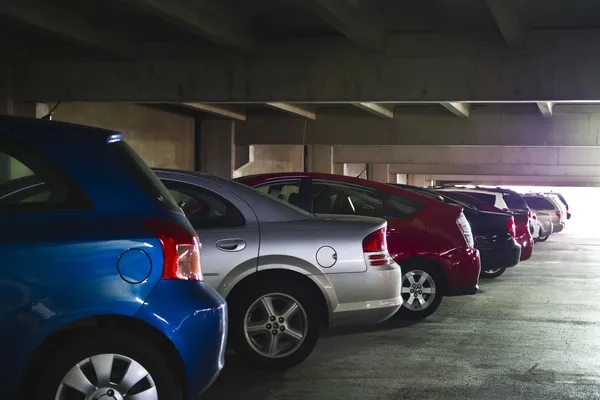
[522, 232]
[431, 240]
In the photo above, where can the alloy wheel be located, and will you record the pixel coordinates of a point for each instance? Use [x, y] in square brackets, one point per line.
[275, 325]
[418, 290]
[107, 376]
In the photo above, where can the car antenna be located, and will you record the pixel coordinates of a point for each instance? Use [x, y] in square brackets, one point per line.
[367, 164]
[48, 116]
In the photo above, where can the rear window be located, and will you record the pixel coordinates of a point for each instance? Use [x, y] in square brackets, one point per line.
[514, 201]
[142, 172]
[488, 198]
[539, 203]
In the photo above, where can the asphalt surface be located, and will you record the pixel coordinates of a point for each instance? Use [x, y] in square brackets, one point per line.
[533, 333]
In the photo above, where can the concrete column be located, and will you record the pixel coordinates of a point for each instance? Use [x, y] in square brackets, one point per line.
[379, 172]
[320, 159]
[338, 169]
[217, 150]
[417, 180]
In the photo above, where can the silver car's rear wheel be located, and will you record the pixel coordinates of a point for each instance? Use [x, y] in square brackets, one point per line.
[274, 320]
[110, 376]
[418, 290]
[275, 325]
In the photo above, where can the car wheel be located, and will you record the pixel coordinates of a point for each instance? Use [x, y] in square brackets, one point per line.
[543, 238]
[274, 325]
[108, 364]
[422, 291]
[492, 273]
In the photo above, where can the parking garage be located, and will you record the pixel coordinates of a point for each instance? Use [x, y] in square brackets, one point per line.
[473, 92]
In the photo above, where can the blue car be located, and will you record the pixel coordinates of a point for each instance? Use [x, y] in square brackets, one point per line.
[101, 289]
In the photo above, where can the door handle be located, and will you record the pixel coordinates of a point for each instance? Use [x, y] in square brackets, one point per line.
[231, 244]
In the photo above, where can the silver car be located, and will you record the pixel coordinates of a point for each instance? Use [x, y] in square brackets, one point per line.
[550, 205]
[545, 226]
[285, 272]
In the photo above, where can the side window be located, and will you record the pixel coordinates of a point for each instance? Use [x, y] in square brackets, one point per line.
[30, 184]
[333, 198]
[402, 207]
[488, 198]
[288, 190]
[203, 208]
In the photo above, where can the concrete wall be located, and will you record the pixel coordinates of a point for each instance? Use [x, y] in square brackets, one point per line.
[273, 158]
[161, 138]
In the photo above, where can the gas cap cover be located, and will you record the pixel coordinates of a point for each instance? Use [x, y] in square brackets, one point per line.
[134, 266]
[326, 257]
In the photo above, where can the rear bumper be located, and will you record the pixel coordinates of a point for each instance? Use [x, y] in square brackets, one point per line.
[558, 226]
[526, 248]
[366, 298]
[500, 257]
[462, 267]
[194, 318]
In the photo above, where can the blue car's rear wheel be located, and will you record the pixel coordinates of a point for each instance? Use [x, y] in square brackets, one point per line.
[109, 364]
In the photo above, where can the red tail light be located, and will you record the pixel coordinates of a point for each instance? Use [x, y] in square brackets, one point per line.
[511, 227]
[535, 217]
[181, 250]
[376, 242]
[567, 207]
[558, 214]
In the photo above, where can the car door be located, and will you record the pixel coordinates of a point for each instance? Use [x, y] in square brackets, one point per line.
[226, 226]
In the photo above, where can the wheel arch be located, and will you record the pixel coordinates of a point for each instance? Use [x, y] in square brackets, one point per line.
[93, 324]
[284, 274]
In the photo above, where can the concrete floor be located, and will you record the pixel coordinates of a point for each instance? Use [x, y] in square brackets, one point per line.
[532, 333]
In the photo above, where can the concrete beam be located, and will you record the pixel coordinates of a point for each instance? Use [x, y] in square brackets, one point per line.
[470, 156]
[546, 108]
[200, 18]
[523, 180]
[560, 65]
[458, 109]
[495, 169]
[308, 112]
[509, 23]
[380, 110]
[493, 126]
[347, 19]
[217, 109]
[62, 22]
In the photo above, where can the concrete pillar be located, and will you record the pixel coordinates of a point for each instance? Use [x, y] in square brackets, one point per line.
[338, 169]
[417, 180]
[379, 172]
[320, 159]
[217, 149]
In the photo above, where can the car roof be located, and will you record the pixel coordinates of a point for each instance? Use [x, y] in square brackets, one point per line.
[251, 179]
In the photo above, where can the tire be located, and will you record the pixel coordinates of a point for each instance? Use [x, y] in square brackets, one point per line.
[543, 238]
[492, 273]
[429, 277]
[122, 351]
[249, 309]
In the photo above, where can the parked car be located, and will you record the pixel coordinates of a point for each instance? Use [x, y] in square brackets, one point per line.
[101, 290]
[285, 272]
[493, 232]
[550, 205]
[432, 241]
[562, 200]
[522, 231]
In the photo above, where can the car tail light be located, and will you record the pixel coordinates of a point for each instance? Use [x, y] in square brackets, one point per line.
[512, 229]
[534, 217]
[181, 250]
[465, 228]
[558, 214]
[375, 247]
[567, 207]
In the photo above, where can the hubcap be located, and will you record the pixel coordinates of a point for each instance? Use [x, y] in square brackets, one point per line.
[418, 290]
[275, 325]
[107, 377]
